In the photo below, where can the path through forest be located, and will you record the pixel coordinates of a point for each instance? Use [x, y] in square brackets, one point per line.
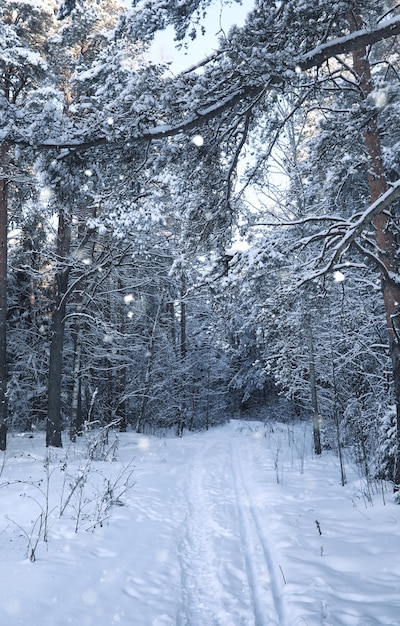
[237, 526]
[225, 557]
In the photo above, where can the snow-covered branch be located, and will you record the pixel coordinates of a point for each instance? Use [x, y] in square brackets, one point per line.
[374, 209]
[337, 244]
[246, 92]
[303, 221]
[193, 121]
[348, 43]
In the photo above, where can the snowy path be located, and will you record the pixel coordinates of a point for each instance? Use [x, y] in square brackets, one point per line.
[239, 526]
[228, 575]
[259, 561]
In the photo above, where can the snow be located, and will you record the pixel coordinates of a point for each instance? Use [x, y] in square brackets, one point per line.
[238, 526]
[198, 140]
[343, 41]
[338, 276]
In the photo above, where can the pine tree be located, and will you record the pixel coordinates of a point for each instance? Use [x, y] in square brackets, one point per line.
[22, 67]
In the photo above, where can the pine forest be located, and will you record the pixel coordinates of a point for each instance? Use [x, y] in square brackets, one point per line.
[178, 248]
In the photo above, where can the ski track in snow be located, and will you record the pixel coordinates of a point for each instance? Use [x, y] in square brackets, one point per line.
[228, 577]
[239, 526]
[259, 561]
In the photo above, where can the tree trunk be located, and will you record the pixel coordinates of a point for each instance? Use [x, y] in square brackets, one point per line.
[76, 422]
[53, 431]
[3, 298]
[141, 420]
[120, 410]
[76, 403]
[170, 307]
[183, 337]
[384, 235]
[313, 388]
[182, 417]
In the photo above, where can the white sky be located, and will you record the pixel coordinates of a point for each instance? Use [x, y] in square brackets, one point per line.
[218, 21]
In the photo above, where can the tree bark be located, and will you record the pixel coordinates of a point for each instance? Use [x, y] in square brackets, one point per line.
[182, 417]
[384, 234]
[76, 422]
[121, 407]
[76, 403]
[313, 388]
[3, 297]
[150, 357]
[53, 430]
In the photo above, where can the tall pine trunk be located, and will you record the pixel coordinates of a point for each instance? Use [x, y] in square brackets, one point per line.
[53, 430]
[313, 387]
[150, 358]
[76, 423]
[121, 407]
[85, 251]
[384, 234]
[3, 297]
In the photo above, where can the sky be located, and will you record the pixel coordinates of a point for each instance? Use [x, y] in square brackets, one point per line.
[218, 21]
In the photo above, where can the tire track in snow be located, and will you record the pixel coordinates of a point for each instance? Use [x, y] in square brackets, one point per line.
[267, 600]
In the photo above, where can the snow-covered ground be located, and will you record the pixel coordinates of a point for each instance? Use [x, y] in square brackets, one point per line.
[238, 526]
